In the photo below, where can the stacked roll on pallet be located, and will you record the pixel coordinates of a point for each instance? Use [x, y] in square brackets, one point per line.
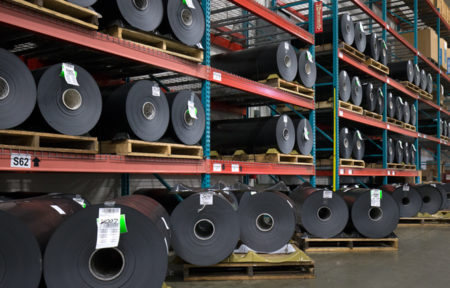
[373, 47]
[407, 197]
[402, 70]
[369, 99]
[432, 198]
[351, 144]
[360, 42]
[304, 136]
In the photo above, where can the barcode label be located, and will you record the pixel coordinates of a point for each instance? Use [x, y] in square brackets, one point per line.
[108, 228]
[327, 194]
[69, 74]
[217, 167]
[206, 199]
[235, 168]
[156, 91]
[375, 198]
[217, 76]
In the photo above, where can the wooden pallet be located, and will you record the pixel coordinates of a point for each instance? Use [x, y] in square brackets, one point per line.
[409, 127]
[351, 51]
[425, 95]
[151, 149]
[49, 142]
[395, 166]
[62, 10]
[290, 87]
[373, 115]
[416, 221]
[157, 43]
[352, 163]
[271, 156]
[342, 105]
[377, 66]
[395, 122]
[411, 86]
[445, 138]
[410, 167]
[348, 244]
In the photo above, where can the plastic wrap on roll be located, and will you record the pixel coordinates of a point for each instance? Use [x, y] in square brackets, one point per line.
[429, 83]
[345, 143]
[380, 101]
[407, 197]
[417, 76]
[431, 197]
[307, 70]
[391, 151]
[205, 234]
[321, 213]
[412, 153]
[369, 99]
[17, 91]
[72, 260]
[356, 91]
[360, 37]
[372, 48]
[423, 80]
[83, 3]
[187, 117]
[406, 153]
[138, 108]
[383, 51]
[304, 135]
[260, 62]
[413, 115]
[402, 70]
[345, 86]
[398, 151]
[358, 145]
[399, 108]
[406, 112]
[373, 214]
[391, 111]
[266, 219]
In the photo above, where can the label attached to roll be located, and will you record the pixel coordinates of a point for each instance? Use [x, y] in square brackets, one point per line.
[69, 74]
[327, 194]
[345, 130]
[361, 26]
[359, 135]
[413, 147]
[309, 56]
[433, 185]
[58, 209]
[286, 45]
[206, 199]
[285, 119]
[306, 133]
[80, 201]
[156, 91]
[401, 100]
[108, 228]
[405, 188]
[189, 3]
[375, 197]
[400, 144]
[192, 110]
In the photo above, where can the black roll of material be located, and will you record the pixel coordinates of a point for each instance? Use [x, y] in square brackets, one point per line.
[27, 226]
[431, 197]
[413, 115]
[391, 151]
[407, 197]
[145, 15]
[345, 143]
[383, 51]
[304, 136]
[260, 62]
[429, 83]
[205, 234]
[380, 101]
[138, 108]
[448, 129]
[402, 70]
[417, 76]
[183, 21]
[267, 220]
[321, 213]
[254, 135]
[17, 91]
[406, 153]
[346, 30]
[391, 106]
[446, 189]
[406, 112]
[187, 117]
[373, 48]
[423, 80]
[444, 195]
[445, 128]
[369, 100]
[307, 70]
[360, 37]
[399, 108]
[358, 145]
[373, 214]
[412, 153]
[83, 3]
[168, 199]
[72, 260]
[399, 151]
[441, 91]
[356, 91]
[345, 87]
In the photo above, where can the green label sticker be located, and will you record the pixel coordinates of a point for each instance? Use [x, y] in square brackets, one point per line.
[123, 224]
[381, 194]
[62, 74]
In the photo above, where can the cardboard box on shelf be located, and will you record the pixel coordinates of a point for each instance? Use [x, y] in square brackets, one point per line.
[443, 53]
[427, 42]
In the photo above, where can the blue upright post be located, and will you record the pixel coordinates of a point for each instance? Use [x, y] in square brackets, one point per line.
[312, 114]
[385, 132]
[335, 11]
[125, 184]
[438, 98]
[416, 102]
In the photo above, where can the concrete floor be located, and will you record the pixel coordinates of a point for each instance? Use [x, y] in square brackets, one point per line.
[423, 260]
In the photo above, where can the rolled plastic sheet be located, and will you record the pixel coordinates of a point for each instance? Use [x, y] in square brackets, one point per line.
[407, 197]
[391, 105]
[373, 214]
[406, 112]
[345, 143]
[72, 260]
[383, 51]
[304, 135]
[380, 101]
[412, 153]
[187, 117]
[360, 37]
[356, 91]
[373, 48]
[347, 28]
[445, 128]
[417, 76]
[267, 220]
[346, 31]
[183, 20]
[423, 80]
[358, 145]
[431, 197]
[254, 135]
[413, 115]
[446, 187]
[307, 70]
[399, 108]
[345, 86]
[399, 151]
[429, 83]
[402, 70]
[369, 99]
[27, 226]
[260, 62]
[406, 153]
[138, 108]
[320, 212]
[167, 198]
[17, 91]
[444, 195]
[83, 3]
[391, 151]
[206, 228]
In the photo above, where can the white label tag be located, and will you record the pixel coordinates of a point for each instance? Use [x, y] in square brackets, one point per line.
[108, 228]
[253, 193]
[327, 194]
[361, 26]
[192, 110]
[401, 101]
[69, 74]
[393, 173]
[217, 167]
[375, 197]
[388, 126]
[58, 209]
[359, 135]
[346, 130]
[80, 201]
[400, 144]
[306, 133]
[340, 54]
[156, 91]
[341, 113]
[165, 223]
[206, 199]
[389, 173]
[199, 45]
[285, 119]
[235, 168]
[190, 4]
[350, 171]
[217, 76]
[309, 56]
[341, 171]
[20, 160]
[433, 185]
[388, 82]
[286, 45]
[405, 188]
[414, 147]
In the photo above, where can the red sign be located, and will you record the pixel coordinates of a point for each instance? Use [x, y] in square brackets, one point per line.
[318, 17]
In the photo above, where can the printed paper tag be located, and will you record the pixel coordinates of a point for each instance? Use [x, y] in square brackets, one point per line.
[285, 119]
[341, 113]
[341, 171]
[206, 199]
[350, 172]
[20, 160]
[345, 130]
[199, 45]
[286, 45]
[217, 167]
[217, 76]
[235, 168]
[306, 133]
[375, 197]
[359, 135]
[327, 194]
[58, 209]
[80, 201]
[156, 91]
[309, 56]
[192, 110]
[69, 73]
[189, 3]
[108, 228]
[405, 188]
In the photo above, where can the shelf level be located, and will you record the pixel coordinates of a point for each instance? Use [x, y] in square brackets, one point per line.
[252, 168]
[370, 172]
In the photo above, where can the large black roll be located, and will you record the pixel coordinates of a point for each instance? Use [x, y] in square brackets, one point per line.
[391, 151]
[369, 100]
[185, 23]
[345, 87]
[407, 197]
[360, 37]
[307, 70]
[345, 143]
[402, 70]
[358, 145]
[383, 51]
[187, 117]
[304, 136]
[445, 128]
[423, 80]
[267, 220]
[83, 3]
[260, 62]
[429, 83]
[71, 259]
[417, 76]
[205, 234]
[406, 112]
[412, 153]
[138, 108]
[398, 151]
[431, 197]
[372, 216]
[391, 105]
[372, 48]
[399, 107]
[356, 91]
[321, 213]
[380, 101]
[406, 153]
[17, 91]
[445, 188]
[413, 115]
[444, 195]
[254, 135]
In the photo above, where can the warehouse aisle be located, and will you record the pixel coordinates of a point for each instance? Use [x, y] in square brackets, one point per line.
[423, 260]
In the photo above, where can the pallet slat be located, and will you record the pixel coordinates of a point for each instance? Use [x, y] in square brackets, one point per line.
[373, 115]
[377, 66]
[290, 87]
[342, 105]
[271, 156]
[352, 163]
[348, 244]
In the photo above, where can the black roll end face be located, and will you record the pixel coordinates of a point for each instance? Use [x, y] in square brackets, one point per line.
[406, 113]
[429, 83]
[360, 37]
[382, 48]
[391, 151]
[187, 24]
[399, 108]
[307, 70]
[344, 86]
[431, 197]
[347, 28]
[408, 199]
[285, 134]
[287, 61]
[380, 101]
[356, 91]
[416, 75]
[399, 151]
[423, 80]
[406, 153]
[345, 143]
[391, 105]
[145, 15]
[304, 135]
[410, 71]
[358, 145]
